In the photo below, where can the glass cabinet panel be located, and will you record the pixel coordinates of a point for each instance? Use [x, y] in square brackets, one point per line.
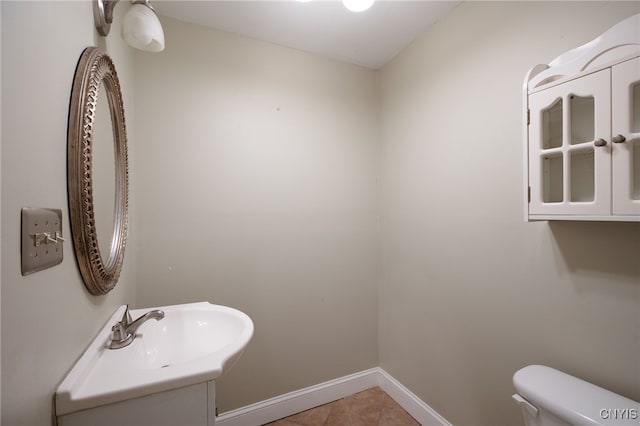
[552, 177]
[582, 175]
[552, 126]
[582, 119]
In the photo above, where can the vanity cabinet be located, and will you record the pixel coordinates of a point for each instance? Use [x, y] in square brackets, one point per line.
[188, 406]
[165, 376]
[582, 132]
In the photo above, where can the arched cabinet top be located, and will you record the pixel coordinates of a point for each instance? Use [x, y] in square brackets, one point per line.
[620, 41]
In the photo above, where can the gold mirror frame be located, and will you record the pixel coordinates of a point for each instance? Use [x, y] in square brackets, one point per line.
[95, 68]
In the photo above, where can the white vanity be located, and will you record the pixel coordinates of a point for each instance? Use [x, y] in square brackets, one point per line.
[582, 131]
[165, 376]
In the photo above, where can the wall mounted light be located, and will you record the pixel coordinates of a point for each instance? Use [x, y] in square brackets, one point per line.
[140, 27]
[352, 5]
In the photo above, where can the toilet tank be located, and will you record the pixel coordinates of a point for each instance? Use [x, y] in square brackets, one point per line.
[552, 398]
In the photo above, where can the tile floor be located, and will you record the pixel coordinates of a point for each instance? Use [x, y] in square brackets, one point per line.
[372, 407]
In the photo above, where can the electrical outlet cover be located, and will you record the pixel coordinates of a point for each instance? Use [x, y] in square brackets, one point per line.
[42, 242]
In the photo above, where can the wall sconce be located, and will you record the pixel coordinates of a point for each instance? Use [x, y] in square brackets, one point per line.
[352, 5]
[140, 27]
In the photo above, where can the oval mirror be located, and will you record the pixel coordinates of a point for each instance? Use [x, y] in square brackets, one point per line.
[97, 171]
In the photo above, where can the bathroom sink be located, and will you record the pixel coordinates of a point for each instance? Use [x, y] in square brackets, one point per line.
[193, 343]
[188, 335]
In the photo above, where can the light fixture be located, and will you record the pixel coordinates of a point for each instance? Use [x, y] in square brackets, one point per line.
[352, 5]
[140, 27]
[357, 5]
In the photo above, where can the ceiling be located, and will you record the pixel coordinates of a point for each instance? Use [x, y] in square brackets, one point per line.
[324, 27]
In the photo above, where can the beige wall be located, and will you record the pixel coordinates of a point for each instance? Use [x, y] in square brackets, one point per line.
[255, 186]
[469, 293]
[48, 318]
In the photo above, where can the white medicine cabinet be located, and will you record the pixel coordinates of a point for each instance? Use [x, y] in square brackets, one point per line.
[582, 131]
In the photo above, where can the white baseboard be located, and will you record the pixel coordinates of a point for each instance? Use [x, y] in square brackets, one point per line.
[420, 410]
[304, 399]
[300, 400]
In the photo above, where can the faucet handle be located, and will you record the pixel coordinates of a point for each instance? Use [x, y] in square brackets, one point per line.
[126, 317]
[119, 336]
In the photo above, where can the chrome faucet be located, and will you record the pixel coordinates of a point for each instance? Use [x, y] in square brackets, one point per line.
[124, 331]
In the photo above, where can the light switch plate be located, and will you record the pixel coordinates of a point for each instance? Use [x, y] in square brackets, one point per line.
[42, 240]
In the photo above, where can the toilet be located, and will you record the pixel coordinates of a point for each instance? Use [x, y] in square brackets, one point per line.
[549, 397]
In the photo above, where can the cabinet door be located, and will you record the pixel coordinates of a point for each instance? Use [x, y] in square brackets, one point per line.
[625, 85]
[570, 148]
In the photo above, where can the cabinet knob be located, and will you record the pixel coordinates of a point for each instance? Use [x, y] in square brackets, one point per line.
[618, 139]
[600, 142]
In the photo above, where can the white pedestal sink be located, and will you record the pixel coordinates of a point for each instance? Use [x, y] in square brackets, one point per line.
[175, 358]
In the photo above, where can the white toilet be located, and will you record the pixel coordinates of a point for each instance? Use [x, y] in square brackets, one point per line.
[549, 397]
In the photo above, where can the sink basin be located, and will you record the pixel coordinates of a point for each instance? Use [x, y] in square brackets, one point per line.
[193, 343]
